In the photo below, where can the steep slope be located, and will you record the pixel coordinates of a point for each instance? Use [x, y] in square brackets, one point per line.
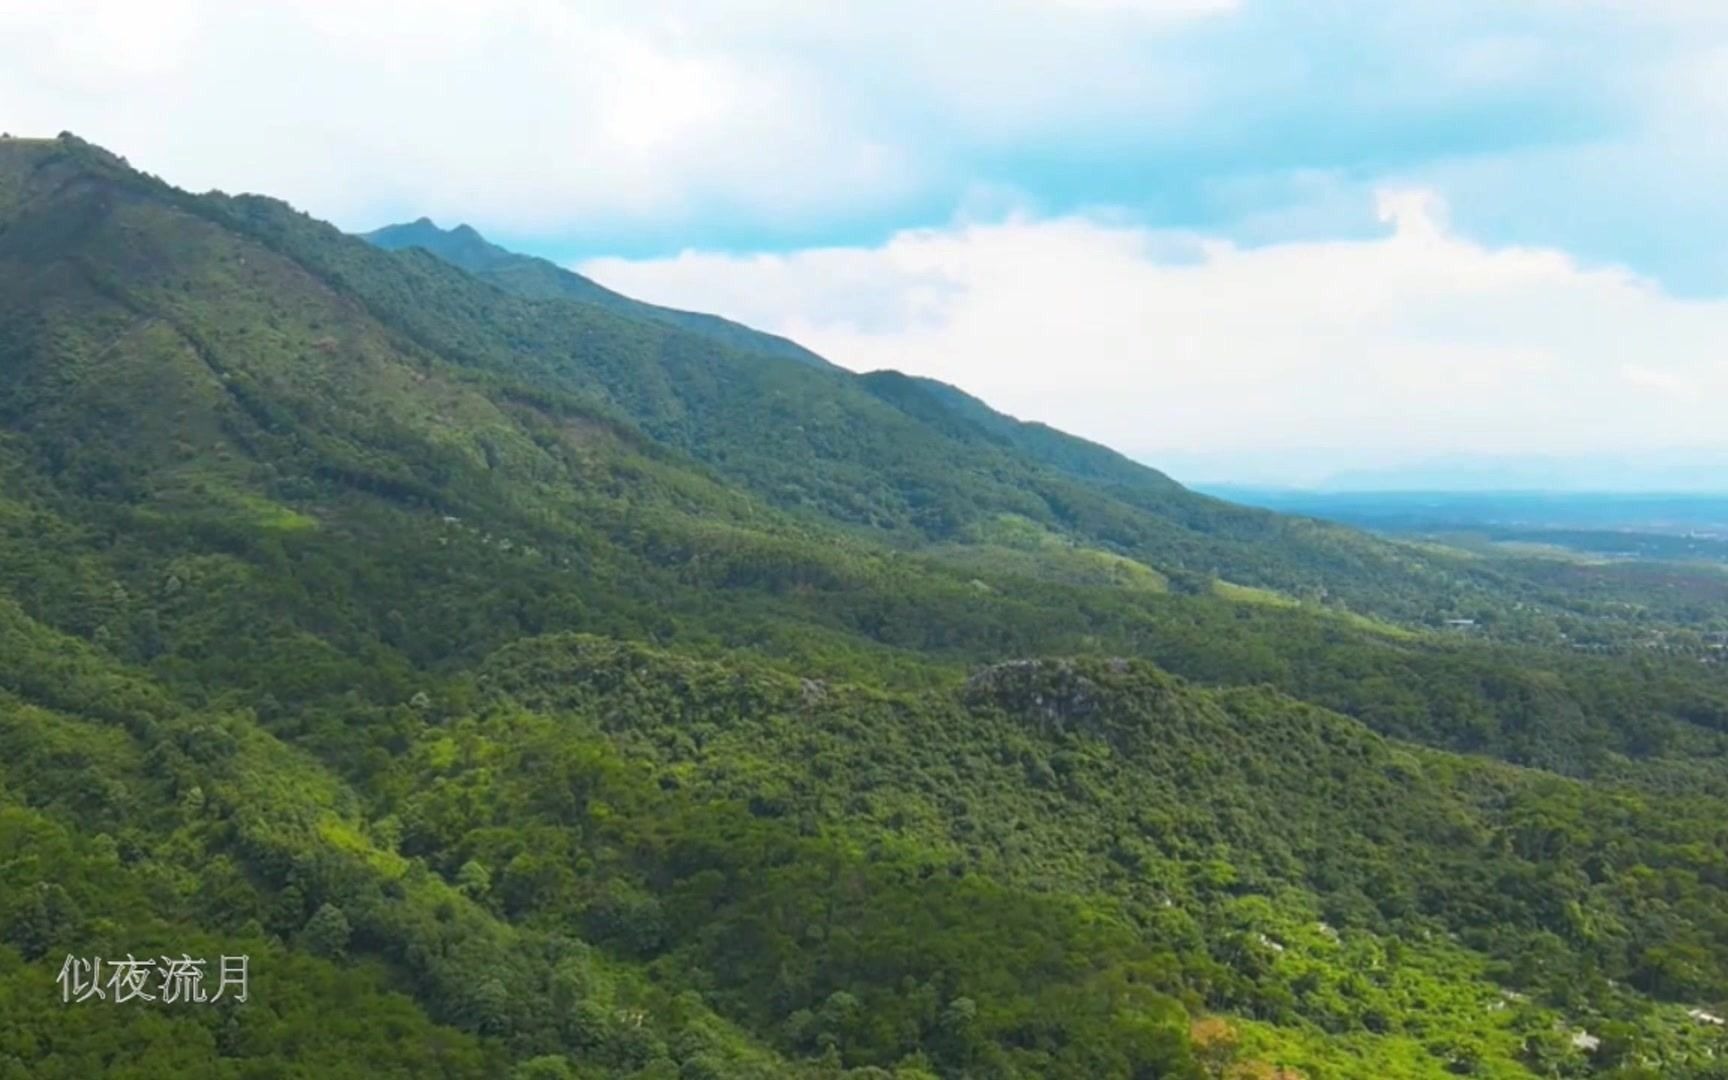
[935, 466]
[941, 406]
[311, 392]
[314, 564]
[905, 458]
[540, 279]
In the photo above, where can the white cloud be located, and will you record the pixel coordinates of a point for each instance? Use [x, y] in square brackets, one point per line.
[1155, 8]
[522, 114]
[571, 120]
[1413, 343]
[556, 119]
[541, 115]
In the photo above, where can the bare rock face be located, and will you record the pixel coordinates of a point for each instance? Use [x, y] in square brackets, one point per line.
[812, 691]
[1053, 688]
[1121, 702]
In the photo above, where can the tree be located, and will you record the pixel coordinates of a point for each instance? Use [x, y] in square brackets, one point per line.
[474, 880]
[326, 933]
[48, 916]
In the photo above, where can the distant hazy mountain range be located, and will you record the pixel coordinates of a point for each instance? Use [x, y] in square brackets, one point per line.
[1333, 470]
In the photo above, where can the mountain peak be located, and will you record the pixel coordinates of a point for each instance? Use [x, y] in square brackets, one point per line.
[30, 166]
[425, 226]
[541, 279]
[22, 151]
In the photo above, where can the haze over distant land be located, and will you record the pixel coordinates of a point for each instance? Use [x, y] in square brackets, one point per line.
[1201, 226]
[1699, 472]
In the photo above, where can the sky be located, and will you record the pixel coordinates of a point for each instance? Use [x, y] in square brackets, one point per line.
[1289, 242]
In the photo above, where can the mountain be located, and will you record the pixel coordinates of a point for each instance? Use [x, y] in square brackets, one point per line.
[900, 458]
[530, 686]
[540, 279]
[936, 416]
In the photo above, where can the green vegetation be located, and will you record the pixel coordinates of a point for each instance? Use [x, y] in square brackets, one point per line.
[538, 279]
[538, 686]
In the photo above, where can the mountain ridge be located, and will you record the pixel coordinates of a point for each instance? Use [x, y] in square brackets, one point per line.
[581, 695]
[535, 278]
[464, 247]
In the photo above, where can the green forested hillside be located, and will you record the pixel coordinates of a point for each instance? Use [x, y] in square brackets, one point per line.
[535, 685]
[538, 279]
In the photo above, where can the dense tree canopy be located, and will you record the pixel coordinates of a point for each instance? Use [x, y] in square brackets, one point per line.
[534, 685]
